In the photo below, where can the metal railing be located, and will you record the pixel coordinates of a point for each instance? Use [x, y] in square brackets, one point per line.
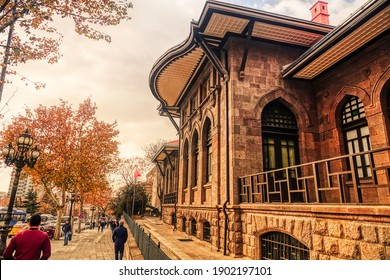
[344, 179]
[150, 250]
[170, 198]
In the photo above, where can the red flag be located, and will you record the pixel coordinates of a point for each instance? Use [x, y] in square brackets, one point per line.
[136, 174]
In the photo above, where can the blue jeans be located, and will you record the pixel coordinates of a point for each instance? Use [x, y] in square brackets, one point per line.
[66, 237]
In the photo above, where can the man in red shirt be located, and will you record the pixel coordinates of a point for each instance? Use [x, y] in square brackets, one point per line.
[30, 244]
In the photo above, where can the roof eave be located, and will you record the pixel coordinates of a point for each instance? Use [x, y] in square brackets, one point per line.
[357, 19]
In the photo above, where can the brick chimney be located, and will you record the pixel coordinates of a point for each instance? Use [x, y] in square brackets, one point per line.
[319, 12]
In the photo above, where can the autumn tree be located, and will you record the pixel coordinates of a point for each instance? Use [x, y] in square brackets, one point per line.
[77, 150]
[151, 150]
[32, 26]
[130, 197]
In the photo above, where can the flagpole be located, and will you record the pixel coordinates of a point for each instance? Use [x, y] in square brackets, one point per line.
[136, 175]
[132, 208]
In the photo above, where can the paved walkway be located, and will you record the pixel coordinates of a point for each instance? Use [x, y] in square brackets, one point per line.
[87, 245]
[92, 245]
[179, 245]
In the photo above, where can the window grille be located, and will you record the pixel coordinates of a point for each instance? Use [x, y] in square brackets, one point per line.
[206, 231]
[357, 135]
[193, 227]
[275, 114]
[280, 246]
[353, 110]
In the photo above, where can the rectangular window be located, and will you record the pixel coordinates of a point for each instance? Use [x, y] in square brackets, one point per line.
[209, 155]
[193, 104]
[204, 87]
[196, 166]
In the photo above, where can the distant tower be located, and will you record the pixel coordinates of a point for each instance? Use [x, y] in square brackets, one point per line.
[319, 12]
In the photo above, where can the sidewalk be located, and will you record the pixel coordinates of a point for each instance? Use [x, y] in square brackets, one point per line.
[92, 245]
[87, 245]
[179, 245]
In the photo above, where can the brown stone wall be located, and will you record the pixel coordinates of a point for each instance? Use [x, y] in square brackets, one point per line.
[362, 75]
[326, 238]
[262, 84]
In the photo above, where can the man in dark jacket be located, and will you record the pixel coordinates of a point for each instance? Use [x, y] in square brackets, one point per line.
[119, 237]
[30, 244]
[67, 229]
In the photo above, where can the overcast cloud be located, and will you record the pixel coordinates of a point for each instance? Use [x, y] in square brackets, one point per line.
[115, 75]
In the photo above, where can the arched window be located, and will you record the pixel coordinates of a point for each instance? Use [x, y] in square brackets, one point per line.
[356, 134]
[207, 143]
[195, 159]
[193, 227]
[280, 136]
[184, 224]
[185, 165]
[280, 246]
[167, 180]
[206, 231]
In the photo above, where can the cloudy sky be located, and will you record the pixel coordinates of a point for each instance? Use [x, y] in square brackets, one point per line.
[115, 75]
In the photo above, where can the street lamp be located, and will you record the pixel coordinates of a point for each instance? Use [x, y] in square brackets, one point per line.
[93, 208]
[72, 199]
[19, 157]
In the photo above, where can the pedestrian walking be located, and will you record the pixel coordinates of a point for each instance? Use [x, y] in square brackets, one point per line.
[102, 224]
[67, 229]
[98, 226]
[93, 225]
[113, 225]
[30, 244]
[119, 237]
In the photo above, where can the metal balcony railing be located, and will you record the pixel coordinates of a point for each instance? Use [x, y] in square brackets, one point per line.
[170, 198]
[356, 178]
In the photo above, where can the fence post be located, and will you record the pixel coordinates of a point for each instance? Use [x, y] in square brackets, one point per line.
[157, 251]
[148, 247]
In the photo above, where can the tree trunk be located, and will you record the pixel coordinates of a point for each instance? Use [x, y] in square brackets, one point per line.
[81, 214]
[58, 230]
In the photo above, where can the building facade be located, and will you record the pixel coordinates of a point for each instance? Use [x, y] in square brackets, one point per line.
[25, 185]
[283, 133]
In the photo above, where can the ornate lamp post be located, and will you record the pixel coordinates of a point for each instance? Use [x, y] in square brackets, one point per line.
[72, 199]
[19, 157]
[93, 208]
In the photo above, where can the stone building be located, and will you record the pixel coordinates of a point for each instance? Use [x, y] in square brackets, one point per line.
[166, 174]
[284, 129]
